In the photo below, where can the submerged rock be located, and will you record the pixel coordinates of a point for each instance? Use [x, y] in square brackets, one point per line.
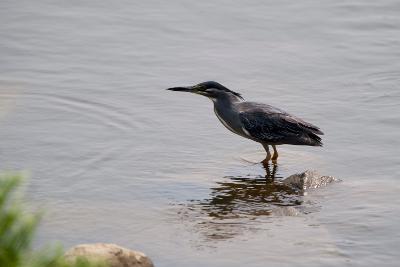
[308, 179]
[113, 255]
[285, 211]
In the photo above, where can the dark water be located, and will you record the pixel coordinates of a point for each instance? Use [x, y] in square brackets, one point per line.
[115, 158]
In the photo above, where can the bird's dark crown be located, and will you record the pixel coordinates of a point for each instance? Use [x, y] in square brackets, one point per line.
[211, 84]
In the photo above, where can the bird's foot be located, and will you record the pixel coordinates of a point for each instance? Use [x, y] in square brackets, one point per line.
[275, 156]
[267, 158]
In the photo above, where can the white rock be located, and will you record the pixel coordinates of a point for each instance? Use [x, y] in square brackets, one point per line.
[113, 255]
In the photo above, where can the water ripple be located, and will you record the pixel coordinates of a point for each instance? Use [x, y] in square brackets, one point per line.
[106, 114]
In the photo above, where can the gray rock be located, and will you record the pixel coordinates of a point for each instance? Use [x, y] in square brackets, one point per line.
[113, 255]
[308, 179]
[285, 211]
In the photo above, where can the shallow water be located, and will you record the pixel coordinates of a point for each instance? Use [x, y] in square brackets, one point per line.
[115, 158]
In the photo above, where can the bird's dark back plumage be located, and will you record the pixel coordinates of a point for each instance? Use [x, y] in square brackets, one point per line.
[271, 125]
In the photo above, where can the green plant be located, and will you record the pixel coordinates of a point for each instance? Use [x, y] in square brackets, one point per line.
[17, 229]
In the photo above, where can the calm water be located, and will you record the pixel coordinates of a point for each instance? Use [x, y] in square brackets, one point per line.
[115, 158]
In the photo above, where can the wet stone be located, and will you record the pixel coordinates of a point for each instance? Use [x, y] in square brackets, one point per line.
[113, 255]
[309, 179]
[285, 211]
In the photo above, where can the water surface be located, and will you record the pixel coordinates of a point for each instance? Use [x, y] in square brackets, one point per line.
[115, 158]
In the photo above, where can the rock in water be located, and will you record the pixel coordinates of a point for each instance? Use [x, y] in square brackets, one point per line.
[285, 211]
[308, 179]
[113, 255]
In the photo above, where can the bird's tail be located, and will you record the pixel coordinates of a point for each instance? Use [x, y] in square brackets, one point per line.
[314, 140]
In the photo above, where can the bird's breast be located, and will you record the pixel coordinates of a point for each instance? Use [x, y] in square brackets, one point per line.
[231, 121]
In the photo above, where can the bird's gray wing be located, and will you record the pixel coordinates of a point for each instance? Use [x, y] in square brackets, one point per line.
[270, 127]
[257, 111]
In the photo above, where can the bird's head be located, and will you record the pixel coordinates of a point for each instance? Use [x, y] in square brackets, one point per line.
[210, 89]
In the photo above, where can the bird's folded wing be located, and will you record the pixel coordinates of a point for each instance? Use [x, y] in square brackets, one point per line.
[275, 127]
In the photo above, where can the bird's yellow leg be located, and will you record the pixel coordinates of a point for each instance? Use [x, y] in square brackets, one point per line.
[268, 158]
[275, 156]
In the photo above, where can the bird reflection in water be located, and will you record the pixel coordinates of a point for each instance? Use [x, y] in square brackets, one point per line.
[237, 201]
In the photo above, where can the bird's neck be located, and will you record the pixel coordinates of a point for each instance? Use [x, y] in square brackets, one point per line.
[225, 109]
[227, 101]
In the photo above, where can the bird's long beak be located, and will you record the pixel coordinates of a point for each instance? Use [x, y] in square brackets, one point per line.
[182, 89]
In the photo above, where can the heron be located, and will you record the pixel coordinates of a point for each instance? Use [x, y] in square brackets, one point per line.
[262, 123]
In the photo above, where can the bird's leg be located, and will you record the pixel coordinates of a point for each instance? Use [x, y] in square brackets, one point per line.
[275, 156]
[267, 168]
[268, 153]
[270, 174]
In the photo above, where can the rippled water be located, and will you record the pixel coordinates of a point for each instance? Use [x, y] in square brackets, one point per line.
[115, 158]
